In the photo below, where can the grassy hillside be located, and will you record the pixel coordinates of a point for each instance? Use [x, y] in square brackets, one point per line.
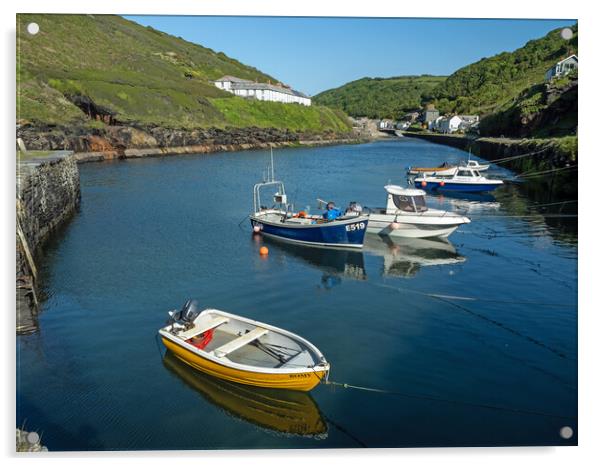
[487, 85]
[539, 111]
[380, 97]
[241, 112]
[135, 74]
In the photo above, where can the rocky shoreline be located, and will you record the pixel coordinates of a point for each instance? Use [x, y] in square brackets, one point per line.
[118, 142]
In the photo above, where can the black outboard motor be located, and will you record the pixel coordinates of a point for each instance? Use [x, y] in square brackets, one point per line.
[190, 311]
[186, 315]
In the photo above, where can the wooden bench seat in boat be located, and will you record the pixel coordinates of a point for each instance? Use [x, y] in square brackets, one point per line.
[240, 342]
[197, 330]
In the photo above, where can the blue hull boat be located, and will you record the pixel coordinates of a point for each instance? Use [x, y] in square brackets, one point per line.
[461, 187]
[278, 221]
[464, 179]
[345, 232]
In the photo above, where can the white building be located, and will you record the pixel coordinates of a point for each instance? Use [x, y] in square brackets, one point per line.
[562, 67]
[434, 124]
[448, 124]
[468, 121]
[262, 91]
[386, 124]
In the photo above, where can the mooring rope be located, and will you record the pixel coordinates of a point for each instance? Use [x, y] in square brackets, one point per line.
[449, 299]
[547, 204]
[536, 174]
[473, 299]
[513, 157]
[507, 328]
[447, 400]
[552, 215]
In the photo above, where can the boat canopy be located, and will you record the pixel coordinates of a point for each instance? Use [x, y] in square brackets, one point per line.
[399, 191]
[406, 200]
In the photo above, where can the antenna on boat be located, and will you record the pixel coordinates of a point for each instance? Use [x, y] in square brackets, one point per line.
[272, 162]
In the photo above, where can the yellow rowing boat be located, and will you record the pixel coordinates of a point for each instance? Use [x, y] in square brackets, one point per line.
[242, 350]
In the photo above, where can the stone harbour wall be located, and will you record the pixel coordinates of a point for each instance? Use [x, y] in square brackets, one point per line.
[48, 193]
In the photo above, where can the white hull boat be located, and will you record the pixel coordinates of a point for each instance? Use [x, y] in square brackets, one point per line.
[463, 180]
[445, 169]
[407, 216]
[476, 165]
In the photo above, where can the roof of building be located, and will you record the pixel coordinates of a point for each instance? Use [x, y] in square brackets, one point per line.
[563, 60]
[250, 85]
[568, 58]
[233, 79]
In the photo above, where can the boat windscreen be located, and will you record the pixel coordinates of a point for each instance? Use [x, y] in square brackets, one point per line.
[465, 173]
[403, 203]
[420, 203]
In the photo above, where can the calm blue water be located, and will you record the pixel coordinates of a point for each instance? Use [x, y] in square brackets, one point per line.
[499, 369]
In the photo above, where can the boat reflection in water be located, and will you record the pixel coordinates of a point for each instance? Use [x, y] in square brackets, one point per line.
[284, 411]
[336, 264]
[485, 198]
[404, 257]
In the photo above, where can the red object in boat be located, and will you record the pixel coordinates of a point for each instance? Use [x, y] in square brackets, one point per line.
[202, 340]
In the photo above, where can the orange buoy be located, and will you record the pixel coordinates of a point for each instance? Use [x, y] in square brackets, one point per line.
[442, 183]
[263, 251]
[423, 184]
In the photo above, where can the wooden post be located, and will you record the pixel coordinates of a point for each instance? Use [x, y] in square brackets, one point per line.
[24, 245]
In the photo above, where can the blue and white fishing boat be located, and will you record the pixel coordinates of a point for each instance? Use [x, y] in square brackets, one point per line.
[464, 179]
[333, 229]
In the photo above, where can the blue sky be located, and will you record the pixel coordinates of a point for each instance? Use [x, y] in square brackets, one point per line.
[315, 54]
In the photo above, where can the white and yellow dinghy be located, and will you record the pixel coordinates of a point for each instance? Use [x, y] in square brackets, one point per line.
[242, 350]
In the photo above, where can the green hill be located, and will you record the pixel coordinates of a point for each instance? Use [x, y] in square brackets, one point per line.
[79, 65]
[487, 85]
[380, 97]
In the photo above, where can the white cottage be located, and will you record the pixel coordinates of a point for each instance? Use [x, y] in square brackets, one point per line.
[562, 68]
[262, 91]
[468, 121]
[449, 124]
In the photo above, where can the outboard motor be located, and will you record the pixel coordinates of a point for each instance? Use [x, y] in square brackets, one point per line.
[190, 311]
[185, 316]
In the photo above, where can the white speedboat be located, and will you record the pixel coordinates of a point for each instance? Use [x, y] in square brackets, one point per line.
[463, 180]
[476, 165]
[407, 216]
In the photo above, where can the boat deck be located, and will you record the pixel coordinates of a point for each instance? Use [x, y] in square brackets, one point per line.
[250, 354]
